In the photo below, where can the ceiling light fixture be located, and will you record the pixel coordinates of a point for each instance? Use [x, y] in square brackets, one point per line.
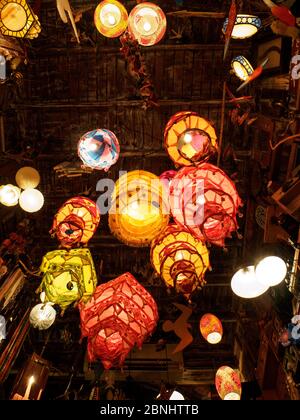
[245, 26]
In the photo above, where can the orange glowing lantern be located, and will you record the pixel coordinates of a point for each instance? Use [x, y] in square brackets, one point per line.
[120, 314]
[211, 328]
[111, 18]
[228, 383]
[189, 138]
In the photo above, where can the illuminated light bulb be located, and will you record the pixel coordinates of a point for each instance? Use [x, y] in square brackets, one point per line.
[176, 396]
[271, 271]
[31, 200]
[111, 18]
[245, 284]
[179, 256]
[242, 67]
[188, 138]
[9, 195]
[93, 147]
[147, 26]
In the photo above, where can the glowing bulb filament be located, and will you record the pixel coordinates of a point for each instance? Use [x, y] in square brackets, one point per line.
[147, 26]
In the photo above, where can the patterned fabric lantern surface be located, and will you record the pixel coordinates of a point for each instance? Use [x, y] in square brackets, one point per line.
[147, 23]
[76, 221]
[205, 200]
[211, 328]
[189, 138]
[42, 316]
[180, 259]
[99, 149]
[69, 276]
[120, 314]
[111, 18]
[228, 383]
[17, 19]
[139, 210]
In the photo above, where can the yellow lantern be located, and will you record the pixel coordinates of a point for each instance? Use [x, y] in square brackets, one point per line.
[18, 20]
[138, 213]
[69, 276]
[211, 328]
[9, 195]
[180, 259]
[228, 383]
[27, 177]
[111, 18]
[31, 200]
[241, 67]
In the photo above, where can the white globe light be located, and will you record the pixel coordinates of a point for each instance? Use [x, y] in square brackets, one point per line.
[176, 396]
[271, 271]
[9, 195]
[27, 177]
[245, 284]
[31, 200]
[42, 316]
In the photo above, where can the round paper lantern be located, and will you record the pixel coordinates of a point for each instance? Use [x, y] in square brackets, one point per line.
[245, 26]
[205, 201]
[270, 271]
[241, 67]
[42, 316]
[76, 221]
[245, 284]
[147, 23]
[99, 149]
[120, 315]
[180, 259]
[211, 328]
[9, 195]
[189, 138]
[27, 177]
[31, 200]
[139, 211]
[111, 18]
[228, 383]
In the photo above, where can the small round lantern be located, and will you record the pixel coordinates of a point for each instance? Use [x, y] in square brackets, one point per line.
[138, 213]
[228, 383]
[189, 138]
[42, 316]
[31, 200]
[211, 328]
[245, 284]
[27, 177]
[147, 23]
[9, 195]
[180, 259]
[242, 68]
[99, 149]
[245, 26]
[76, 221]
[111, 18]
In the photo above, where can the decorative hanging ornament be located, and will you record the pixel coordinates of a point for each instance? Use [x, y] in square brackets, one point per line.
[17, 19]
[9, 195]
[228, 383]
[241, 67]
[245, 284]
[180, 259]
[111, 18]
[245, 26]
[189, 138]
[270, 271]
[76, 222]
[147, 23]
[256, 73]
[139, 210]
[27, 177]
[119, 315]
[31, 200]
[42, 316]
[211, 328]
[99, 149]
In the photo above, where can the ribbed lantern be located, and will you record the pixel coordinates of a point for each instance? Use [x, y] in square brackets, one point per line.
[120, 315]
[147, 23]
[205, 200]
[76, 221]
[139, 211]
[68, 276]
[242, 67]
[111, 18]
[180, 259]
[228, 383]
[211, 328]
[189, 138]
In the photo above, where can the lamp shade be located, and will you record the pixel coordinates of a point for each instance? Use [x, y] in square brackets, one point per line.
[245, 284]
[120, 314]
[99, 149]
[42, 316]
[180, 259]
[189, 138]
[147, 23]
[18, 20]
[27, 177]
[228, 383]
[111, 18]
[241, 67]
[139, 211]
[270, 271]
[31, 200]
[211, 328]
[245, 26]
[76, 221]
[9, 195]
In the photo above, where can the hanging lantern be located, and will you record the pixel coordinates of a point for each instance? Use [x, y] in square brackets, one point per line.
[43, 315]
[211, 328]
[76, 221]
[166, 178]
[245, 284]
[68, 276]
[241, 67]
[205, 201]
[111, 18]
[120, 314]
[245, 26]
[27, 177]
[32, 380]
[147, 23]
[31, 200]
[139, 211]
[180, 259]
[189, 138]
[270, 271]
[18, 20]
[228, 383]
[9, 195]
[99, 149]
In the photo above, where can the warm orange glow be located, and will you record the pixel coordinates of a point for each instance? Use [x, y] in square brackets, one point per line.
[211, 328]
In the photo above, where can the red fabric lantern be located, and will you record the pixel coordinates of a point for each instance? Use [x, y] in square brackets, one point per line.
[228, 383]
[120, 314]
[211, 328]
[205, 200]
[76, 221]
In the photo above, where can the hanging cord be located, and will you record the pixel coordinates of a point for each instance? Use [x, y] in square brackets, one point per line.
[168, 378]
[46, 342]
[222, 124]
[284, 140]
